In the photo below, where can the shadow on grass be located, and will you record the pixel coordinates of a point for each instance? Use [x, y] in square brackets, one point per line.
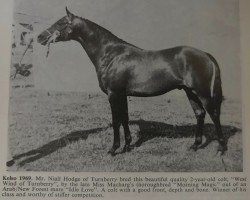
[55, 145]
[147, 131]
[152, 129]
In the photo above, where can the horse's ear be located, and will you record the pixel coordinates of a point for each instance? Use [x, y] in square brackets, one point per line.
[69, 14]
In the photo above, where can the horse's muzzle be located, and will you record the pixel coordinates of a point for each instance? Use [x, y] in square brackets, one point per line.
[44, 37]
[42, 40]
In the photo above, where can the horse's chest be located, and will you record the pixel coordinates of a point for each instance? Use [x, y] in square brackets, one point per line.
[102, 82]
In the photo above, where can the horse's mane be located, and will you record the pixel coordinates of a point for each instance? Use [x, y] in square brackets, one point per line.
[104, 31]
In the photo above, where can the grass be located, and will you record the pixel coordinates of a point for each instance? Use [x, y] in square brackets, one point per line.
[71, 131]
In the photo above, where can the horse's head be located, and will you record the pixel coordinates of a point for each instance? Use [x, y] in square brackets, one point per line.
[63, 30]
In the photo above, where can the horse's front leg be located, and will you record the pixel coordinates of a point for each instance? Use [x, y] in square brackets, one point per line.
[119, 108]
[124, 120]
[116, 120]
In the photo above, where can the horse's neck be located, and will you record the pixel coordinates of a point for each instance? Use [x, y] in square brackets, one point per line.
[93, 38]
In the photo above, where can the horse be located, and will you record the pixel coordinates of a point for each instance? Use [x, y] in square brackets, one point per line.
[124, 69]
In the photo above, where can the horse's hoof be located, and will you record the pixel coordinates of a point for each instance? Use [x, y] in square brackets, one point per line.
[112, 152]
[222, 149]
[126, 148]
[194, 147]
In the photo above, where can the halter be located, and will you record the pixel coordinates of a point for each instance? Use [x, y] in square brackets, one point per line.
[58, 30]
[48, 32]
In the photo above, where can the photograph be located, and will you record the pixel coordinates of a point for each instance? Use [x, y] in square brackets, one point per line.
[125, 86]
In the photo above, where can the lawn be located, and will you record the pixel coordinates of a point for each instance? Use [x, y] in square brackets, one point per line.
[71, 131]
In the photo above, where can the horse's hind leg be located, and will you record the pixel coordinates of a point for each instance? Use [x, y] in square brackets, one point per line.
[200, 114]
[213, 108]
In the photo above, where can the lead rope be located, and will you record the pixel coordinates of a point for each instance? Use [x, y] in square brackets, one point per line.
[52, 40]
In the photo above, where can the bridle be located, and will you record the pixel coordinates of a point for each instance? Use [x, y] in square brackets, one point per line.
[57, 31]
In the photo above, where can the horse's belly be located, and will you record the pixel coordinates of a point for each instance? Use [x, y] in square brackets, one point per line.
[152, 84]
[145, 91]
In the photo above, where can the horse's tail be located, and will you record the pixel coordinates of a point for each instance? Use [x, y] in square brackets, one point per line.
[212, 80]
[215, 84]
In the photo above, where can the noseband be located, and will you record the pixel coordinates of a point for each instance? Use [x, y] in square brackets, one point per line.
[58, 31]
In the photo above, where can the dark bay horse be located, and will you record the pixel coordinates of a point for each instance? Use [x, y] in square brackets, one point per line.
[126, 70]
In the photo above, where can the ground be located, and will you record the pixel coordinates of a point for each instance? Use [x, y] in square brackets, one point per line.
[71, 131]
